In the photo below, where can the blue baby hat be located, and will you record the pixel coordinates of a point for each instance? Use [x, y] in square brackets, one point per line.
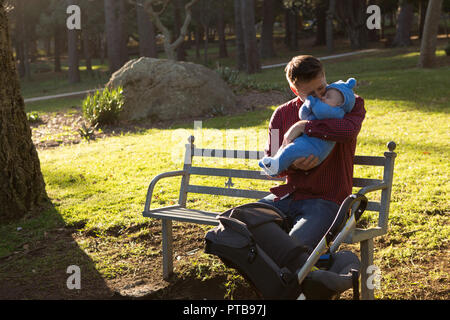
[346, 89]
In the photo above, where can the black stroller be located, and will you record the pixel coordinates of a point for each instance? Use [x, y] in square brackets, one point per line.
[253, 239]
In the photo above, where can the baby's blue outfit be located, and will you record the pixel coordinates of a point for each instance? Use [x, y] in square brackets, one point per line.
[303, 146]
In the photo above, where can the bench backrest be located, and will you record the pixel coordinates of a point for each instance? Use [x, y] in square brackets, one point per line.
[381, 206]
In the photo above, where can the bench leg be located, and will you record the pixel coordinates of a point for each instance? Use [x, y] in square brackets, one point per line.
[366, 261]
[167, 248]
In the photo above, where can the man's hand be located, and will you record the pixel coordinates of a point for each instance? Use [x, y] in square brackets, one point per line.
[305, 163]
[294, 131]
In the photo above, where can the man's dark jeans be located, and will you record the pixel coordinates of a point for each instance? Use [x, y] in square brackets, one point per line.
[311, 218]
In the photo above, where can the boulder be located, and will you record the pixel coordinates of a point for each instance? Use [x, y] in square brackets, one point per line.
[159, 89]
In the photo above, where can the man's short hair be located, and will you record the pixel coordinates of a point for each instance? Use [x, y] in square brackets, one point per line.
[303, 68]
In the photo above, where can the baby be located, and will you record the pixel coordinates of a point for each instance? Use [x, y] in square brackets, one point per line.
[336, 102]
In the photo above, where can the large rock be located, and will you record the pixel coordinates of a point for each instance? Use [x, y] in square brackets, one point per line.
[159, 89]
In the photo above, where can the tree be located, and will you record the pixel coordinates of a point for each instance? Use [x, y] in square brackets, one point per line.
[22, 187]
[112, 35]
[147, 41]
[352, 13]
[245, 27]
[72, 39]
[404, 24]
[170, 46]
[329, 27]
[291, 29]
[52, 23]
[430, 30]
[22, 40]
[239, 32]
[320, 11]
[223, 53]
[205, 14]
[267, 50]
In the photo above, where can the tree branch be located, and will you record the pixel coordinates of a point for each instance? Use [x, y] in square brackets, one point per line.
[154, 17]
[185, 26]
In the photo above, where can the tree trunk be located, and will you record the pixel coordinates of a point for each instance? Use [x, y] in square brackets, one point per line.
[123, 32]
[422, 13]
[267, 50]
[198, 36]
[72, 47]
[205, 45]
[239, 31]
[430, 30]
[292, 28]
[374, 35]
[23, 38]
[329, 32]
[112, 35]
[404, 23]
[22, 187]
[57, 51]
[181, 52]
[249, 31]
[223, 53]
[321, 18]
[147, 41]
[353, 14]
[87, 50]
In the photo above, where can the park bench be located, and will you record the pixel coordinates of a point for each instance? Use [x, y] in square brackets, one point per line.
[179, 212]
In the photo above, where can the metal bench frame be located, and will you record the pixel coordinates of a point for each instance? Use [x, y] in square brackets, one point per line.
[179, 212]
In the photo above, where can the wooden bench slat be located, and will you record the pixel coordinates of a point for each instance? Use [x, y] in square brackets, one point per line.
[183, 214]
[369, 161]
[363, 182]
[233, 173]
[255, 155]
[224, 153]
[252, 174]
[240, 193]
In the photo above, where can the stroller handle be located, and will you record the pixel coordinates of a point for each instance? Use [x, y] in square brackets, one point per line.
[343, 211]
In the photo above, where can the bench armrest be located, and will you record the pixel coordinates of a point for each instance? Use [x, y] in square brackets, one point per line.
[358, 234]
[160, 176]
[373, 187]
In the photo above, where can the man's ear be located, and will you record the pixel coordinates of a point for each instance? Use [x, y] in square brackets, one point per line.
[294, 90]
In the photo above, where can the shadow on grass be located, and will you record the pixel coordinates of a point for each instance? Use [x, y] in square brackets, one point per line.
[190, 287]
[35, 258]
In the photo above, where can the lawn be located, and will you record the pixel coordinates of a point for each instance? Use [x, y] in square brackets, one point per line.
[98, 188]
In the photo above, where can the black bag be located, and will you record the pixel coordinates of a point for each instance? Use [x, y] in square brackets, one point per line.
[252, 238]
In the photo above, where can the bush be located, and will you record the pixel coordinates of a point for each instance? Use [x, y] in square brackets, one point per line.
[229, 75]
[33, 117]
[447, 49]
[103, 107]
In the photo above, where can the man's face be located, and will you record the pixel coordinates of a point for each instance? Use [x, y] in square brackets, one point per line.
[315, 88]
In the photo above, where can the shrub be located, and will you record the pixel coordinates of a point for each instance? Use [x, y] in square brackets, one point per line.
[103, 107]
[229, 75]
[33, 117]
[447, 49]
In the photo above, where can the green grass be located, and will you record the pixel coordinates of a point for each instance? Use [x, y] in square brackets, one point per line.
[100, 186]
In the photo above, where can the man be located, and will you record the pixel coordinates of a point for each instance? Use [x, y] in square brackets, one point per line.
[312, 194]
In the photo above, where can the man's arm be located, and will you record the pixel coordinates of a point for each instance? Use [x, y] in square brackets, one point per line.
[339, 130]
